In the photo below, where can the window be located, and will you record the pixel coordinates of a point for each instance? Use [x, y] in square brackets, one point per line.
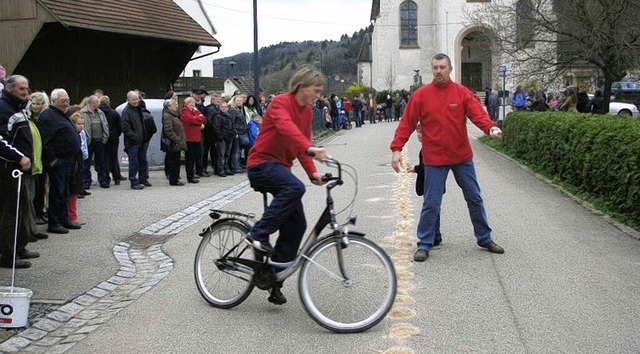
[197, 73]
[408, 24]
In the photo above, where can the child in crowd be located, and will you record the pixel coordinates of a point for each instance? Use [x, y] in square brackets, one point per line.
[254, 128]
[75, 187]
[419, 170]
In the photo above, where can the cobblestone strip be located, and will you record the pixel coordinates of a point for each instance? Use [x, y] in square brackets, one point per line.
[140, 270]
[181, 220]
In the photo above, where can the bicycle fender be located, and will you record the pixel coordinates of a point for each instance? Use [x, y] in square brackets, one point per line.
[218, 221]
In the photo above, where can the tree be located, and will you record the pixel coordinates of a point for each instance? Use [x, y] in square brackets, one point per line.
[545, 39]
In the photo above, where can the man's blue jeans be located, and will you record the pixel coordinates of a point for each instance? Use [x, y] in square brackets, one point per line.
[435, 178]
[138, 165]
[285, 213]
[97, 155]
[59, 193]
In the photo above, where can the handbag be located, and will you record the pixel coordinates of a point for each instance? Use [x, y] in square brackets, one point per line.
[244, 139]
[165, 144]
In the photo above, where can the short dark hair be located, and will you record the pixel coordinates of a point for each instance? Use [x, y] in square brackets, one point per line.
[441, 56]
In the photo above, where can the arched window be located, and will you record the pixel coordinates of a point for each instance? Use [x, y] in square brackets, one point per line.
[408, 24]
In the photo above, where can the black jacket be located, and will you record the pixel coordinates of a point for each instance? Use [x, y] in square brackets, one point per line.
[60, 140]
[14, 128]
[115, 122]
[239, 120]
[132, 126]
[223, 127]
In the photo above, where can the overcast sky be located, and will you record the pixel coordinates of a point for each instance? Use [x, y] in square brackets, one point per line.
[284, 21]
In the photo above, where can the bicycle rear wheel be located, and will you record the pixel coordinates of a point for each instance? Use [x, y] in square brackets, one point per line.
[347, 305]
[222, 282]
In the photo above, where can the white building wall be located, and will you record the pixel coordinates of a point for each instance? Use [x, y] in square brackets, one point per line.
[441, 28]
[205, 65]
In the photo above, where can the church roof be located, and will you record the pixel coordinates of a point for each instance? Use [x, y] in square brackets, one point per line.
[148, 18]
[375, 10]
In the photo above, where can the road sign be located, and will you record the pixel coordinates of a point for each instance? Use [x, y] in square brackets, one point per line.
[502, 69]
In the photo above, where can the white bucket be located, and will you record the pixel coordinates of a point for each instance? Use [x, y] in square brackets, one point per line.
[14, 306]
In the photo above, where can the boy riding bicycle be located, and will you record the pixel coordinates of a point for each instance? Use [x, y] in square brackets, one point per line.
[285, 135]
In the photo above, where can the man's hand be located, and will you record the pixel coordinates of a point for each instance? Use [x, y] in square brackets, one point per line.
[316, 179]
[25, 163]
[396, 161]
[317, 153]
[410, 168]
[495, 132]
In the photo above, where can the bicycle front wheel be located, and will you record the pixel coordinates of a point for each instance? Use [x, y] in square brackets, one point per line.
[351, 295]
[222, 282]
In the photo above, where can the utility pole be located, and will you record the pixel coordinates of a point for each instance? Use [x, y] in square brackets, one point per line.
[256, 65]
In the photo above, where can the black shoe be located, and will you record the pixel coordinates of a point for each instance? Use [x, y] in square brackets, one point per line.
[104, 186]
[262, 246]
[40, 236]
[193, 180]
[230, 173]
[421, 255]
[221, 174]
[80, 196]
[8, 263]
[26, 254]
[177, 184]
[33, 239]
[276, 296]
[437, 242]
[137, 187]
[71, 226]
[146, 183]
[203, 174]
[492, 247]
[85, 192]
[40, 221]
[57, 229]
[116, 182]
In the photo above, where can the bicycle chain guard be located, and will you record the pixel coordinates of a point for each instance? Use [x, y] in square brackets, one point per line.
[264, 277]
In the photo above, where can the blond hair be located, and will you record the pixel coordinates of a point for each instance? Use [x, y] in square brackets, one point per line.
[76, 118]
[307, 75]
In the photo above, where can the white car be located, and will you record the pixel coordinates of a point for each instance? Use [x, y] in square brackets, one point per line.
[622, 109]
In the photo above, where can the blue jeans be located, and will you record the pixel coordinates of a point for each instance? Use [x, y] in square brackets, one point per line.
[285, 213]
[97, 155]
[234, 156]
[435, 178]
[138, 164]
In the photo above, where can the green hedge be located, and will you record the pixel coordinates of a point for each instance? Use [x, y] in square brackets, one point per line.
[599, 154]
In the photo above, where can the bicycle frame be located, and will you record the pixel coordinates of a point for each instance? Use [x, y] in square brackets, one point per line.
[327, 217]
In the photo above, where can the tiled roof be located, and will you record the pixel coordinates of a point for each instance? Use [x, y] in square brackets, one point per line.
[147, 18]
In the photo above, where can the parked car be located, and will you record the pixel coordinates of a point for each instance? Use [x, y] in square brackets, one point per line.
[626, 90]
[622, 109]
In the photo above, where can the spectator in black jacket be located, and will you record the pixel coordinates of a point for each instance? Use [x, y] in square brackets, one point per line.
[61, 146]
[224, 134]
[113, 143]
[597, 103]
[15, 128]
[135, 142]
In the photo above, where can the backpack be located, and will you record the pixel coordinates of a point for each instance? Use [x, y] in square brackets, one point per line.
[148, 125]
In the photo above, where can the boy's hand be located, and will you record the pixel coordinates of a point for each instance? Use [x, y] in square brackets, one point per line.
[411, 168]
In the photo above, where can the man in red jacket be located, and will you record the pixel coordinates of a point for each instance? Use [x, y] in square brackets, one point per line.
[285, 135]
[441, 108]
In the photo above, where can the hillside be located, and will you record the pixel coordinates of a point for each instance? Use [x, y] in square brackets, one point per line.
[336, 59]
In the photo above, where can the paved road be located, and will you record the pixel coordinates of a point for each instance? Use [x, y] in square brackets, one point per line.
[568, 281]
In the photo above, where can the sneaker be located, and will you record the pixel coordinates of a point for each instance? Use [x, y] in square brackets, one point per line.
[262, 246]
[421, 255]
[276, 296]
[492, 247]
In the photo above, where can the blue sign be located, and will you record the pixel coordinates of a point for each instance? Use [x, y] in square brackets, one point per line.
[502, 69]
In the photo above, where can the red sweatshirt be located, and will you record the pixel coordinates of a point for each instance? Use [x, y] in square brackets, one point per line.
[192, 121]
[285, 134]
[441, 109]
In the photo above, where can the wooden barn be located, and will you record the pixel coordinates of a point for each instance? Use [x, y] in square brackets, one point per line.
[114, 45]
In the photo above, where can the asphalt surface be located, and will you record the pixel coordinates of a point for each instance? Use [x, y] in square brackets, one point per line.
[567, 283]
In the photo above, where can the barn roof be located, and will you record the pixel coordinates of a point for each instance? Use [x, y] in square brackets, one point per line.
[148, 18]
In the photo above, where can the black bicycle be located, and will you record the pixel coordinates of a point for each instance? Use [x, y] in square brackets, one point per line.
[347, 283]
